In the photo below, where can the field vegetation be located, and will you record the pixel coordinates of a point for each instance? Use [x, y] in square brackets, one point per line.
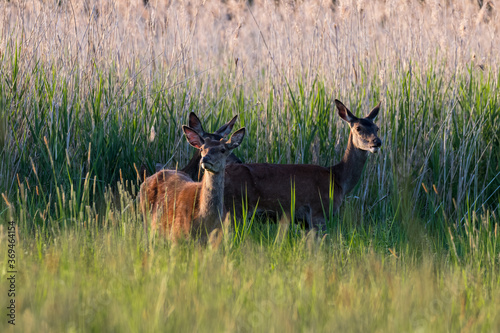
[90, 91]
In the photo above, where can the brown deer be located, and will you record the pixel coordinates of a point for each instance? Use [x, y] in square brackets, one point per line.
[186, 208]
[192, 169]
[268, 187]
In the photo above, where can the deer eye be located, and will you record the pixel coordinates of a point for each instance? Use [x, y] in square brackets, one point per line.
[358, 129]
[223, 150]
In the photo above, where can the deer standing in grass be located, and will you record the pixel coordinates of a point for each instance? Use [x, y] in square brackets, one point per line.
[269, 186]
[192, 169]
[183, 207]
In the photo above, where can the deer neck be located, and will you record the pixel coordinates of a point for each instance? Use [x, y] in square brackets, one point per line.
[212, 195]
[193, 167]
[349, 170]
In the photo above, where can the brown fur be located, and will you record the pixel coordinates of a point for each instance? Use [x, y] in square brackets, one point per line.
[182, 208]
[269, 186]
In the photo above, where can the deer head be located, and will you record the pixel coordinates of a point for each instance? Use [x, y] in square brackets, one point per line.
[214, 153]
[222, 132]
[363, 130]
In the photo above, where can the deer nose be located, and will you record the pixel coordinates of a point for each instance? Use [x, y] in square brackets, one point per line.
[207, 164]
[377, 142]
[206, 159]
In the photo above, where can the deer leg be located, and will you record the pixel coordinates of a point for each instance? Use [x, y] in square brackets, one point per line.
[304, 214]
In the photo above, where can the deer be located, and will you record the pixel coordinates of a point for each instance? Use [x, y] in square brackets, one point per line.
[184, 208]
[192, 169]
[319, 191]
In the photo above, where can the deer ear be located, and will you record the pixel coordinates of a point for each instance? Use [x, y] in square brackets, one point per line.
[236, 138]
[193, 137]
[227, 127]
[373, 113]
[344, 113]
[195, 123]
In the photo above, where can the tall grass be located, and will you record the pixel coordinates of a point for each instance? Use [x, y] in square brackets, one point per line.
[114, 277]
[91, 91]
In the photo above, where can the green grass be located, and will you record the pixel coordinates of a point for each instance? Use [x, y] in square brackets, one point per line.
[415, 246]
[115, 278]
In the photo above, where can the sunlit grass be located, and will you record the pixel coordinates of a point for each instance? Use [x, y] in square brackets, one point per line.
[114, 278]
[90, 93]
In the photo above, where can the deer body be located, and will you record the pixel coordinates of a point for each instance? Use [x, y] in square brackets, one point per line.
[256, 184]
[184, 208]
[268, 187]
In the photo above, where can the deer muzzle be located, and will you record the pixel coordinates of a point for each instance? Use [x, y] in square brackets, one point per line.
[206, 163]
[376, 144]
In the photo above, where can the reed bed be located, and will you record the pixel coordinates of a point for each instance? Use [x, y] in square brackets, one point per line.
[92, 90]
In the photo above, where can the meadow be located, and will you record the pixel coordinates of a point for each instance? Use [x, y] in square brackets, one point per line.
[91, 91]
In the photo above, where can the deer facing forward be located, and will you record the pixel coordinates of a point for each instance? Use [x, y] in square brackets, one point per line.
[193, 167]
[319, 191]
[185, 208]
